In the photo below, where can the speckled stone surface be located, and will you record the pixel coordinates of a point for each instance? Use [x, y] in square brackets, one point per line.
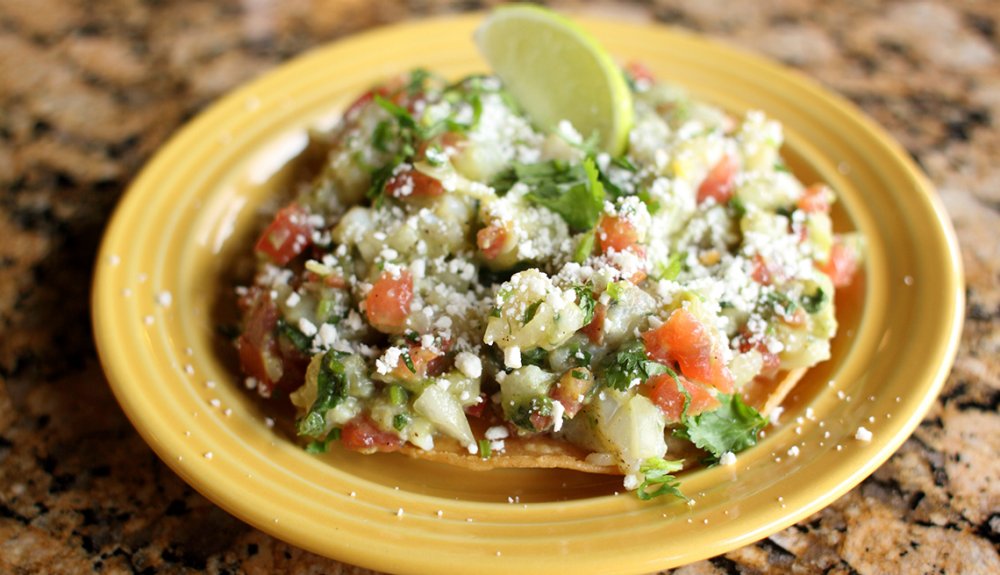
[89, 90]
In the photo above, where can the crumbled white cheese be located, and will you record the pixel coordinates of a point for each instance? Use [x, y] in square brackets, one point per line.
[728, 458]
[307, 327]
[497, 432]
[512, 357]
[469, 364]
[557, 415]
[863, 434]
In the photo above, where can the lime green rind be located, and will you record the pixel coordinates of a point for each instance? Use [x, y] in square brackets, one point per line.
[541, 57]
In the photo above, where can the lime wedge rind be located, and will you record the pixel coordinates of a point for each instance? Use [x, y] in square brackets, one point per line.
[557, 71]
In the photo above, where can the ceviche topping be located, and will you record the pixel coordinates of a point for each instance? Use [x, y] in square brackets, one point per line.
[458, 279]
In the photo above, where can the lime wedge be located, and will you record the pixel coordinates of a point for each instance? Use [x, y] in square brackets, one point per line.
[557, 71]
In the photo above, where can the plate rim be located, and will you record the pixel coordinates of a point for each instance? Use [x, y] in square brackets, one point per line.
[116, 371]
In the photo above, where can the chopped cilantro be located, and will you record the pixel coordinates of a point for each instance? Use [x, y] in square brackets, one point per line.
[397, 395]
[733, 426]
[585, 301]
[331, 389]
[657, 478]
[737, 206]
[781, 167]
[530, 312]
[535, 356]
[418, 78]
[624, 163]
[628, 364]
[301, 341]
[382, 135]
[485, 451]
[673, 267]
[775, 299]
[615, 290]
[521, 413]
[323, 445]
[400, 421]
[652, 205]
[408, 361]
[574, 191]
[813, 303]
[584, 248]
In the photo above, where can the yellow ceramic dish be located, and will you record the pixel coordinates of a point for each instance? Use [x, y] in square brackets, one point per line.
[179, 226]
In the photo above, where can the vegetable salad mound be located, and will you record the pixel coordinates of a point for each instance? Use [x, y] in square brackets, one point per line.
[458, 283]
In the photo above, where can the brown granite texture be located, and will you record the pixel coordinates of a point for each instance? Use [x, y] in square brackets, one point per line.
[89, 90]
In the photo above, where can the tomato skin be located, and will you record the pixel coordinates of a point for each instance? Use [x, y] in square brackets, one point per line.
[772, 361]
[492, 240]
[639, 72]
[257, 344]
[411, 183]
[423, 361]
[571, 389]
[618, 234]
[388, 303]
[448, 142]
[720, 181]
[665, 394]
[842, 265]
[476, 410]
[595, 329]
[361, 434]
[815, 199]
[684, 340]
[287, 236]
[763, 272]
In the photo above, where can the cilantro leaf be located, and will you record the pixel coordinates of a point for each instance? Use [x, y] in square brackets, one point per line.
[628, 364]
[813, 303]
[574, 191]
[673, 267]
[331, 389]
[657, 473]
[732, 427]
[301, 341]
[585, 301]
[529, 313]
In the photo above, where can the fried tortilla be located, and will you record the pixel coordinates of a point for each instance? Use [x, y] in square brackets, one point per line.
[547, 452]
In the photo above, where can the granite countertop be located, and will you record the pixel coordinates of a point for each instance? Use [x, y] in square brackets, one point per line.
[88, 91]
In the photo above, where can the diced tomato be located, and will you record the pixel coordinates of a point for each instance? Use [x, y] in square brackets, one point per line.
[815, 199]
[448, 142]
[771, 361]
[335, 281]
[361, 102]
[361, 434]
[842, 265]
[684, 340]
[411, 183]
[422, 360]
[257, 345]
[720, 181]
[287, 236]
[618, 234]
[540, 422]
[492, 240]
[388, 304]
[571, 389]
[477, 409]
[665, 394]
[763, 272]
[595, 329]
[639, 72]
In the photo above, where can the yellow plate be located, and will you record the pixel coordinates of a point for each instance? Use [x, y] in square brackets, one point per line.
[193, 208]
